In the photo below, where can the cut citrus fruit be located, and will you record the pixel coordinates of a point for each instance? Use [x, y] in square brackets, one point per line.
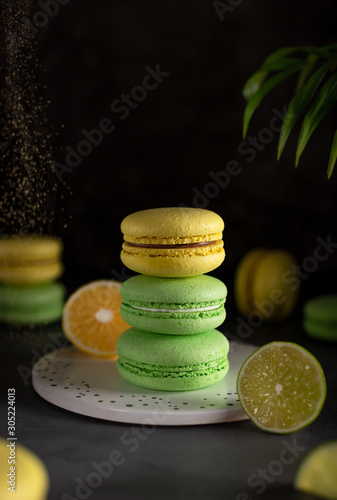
[281, 387]
[317, 472]
[91, 317]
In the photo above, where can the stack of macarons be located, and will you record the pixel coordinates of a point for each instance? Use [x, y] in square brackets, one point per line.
[29, 268]
[173, 306]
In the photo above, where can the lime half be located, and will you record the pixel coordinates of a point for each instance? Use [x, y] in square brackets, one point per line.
[281, 387]
[317, 472]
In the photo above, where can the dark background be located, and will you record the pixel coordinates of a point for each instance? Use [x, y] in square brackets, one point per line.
[191, 124]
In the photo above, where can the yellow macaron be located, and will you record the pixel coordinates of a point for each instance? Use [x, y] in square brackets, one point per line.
[23, 474]
[30, 259]
[261, 285]
[173, 241]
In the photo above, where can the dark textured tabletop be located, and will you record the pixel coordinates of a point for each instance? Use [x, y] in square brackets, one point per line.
[97, 459]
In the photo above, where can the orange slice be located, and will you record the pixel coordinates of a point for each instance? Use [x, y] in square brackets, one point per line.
[91, 317]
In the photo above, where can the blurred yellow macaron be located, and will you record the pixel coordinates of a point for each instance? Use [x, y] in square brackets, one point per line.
[30, 259]
[262, 286]
[23, 474]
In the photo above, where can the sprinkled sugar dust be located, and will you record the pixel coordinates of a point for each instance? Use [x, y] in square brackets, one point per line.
[29, 189]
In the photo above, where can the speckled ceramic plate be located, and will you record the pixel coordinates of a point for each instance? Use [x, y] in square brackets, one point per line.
[90, 386]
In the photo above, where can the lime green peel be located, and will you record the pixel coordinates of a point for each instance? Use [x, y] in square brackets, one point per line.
[281, 387]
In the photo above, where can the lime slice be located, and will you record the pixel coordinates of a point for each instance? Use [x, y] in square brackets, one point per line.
[317, 472]
[281, 387]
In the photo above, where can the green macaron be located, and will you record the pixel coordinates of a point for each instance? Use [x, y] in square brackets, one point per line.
[173, 305]
[320, 317]
[172, 362]
[31, 305]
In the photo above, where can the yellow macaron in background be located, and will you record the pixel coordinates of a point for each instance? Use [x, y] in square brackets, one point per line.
[23, 474]
[173, 241]
[261, 284]
[30, 259]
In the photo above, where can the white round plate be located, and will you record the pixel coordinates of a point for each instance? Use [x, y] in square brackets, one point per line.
[92, 386]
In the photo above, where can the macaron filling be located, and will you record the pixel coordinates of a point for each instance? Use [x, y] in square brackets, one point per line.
[173, 246]
[173, 240]
[201, 310]
[188, 371]
[172, 250]
[195, 309]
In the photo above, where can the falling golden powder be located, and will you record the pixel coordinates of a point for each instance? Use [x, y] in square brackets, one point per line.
[28, 191]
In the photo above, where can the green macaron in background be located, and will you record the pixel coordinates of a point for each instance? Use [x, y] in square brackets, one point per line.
[173, 305]
[172, 362]
[31, 305]
[320, 317]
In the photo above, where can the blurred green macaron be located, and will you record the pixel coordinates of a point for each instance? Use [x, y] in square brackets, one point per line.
[31, 304]
[320, 317]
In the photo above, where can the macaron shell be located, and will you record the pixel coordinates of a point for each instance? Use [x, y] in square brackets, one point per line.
[173, 363]
[31, 304]
[37, 315]
[34, 478]
[173, 266]
[322, 331]
[152, 289]
[169, 383]
[173, 323]
[322, 308]
[172, 222]
[269, 284]
[320, 317]
[170, 350]
[244, 278]
[260, 284]
[177, 226]
[31, 274]
[178, 294]
[30, 259]
[32, 247]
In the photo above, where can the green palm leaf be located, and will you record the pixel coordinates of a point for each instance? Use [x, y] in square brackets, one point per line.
[298, 104]
[333, 156]
[324, 100]
[326, 52]
[313, 57]
[313, 64]
[285, 63]
[255, 81]
[255, 100]
[305, 73]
